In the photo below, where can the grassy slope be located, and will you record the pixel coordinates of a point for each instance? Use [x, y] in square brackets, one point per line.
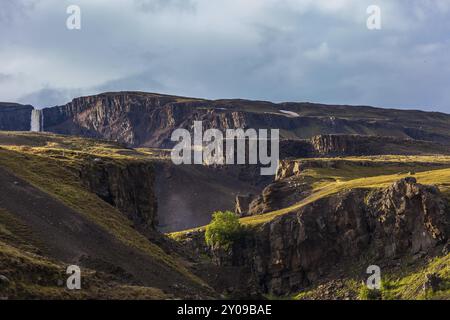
[39, 276]
[49, 162]
[439, 177]
[404, 282]
[384, 170]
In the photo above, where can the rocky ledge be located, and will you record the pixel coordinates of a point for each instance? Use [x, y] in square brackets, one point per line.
[295, 250]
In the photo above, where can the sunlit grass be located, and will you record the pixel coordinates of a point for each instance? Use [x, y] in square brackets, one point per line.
[383, 171]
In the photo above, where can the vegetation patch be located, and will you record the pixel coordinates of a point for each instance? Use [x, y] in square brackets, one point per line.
[409, 281]
[224, 229]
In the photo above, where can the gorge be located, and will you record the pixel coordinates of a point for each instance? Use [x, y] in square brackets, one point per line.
[93, 184]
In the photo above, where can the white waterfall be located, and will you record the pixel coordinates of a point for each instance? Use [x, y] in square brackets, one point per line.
[37, 120]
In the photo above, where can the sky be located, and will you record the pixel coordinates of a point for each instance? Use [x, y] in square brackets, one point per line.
[277, 50]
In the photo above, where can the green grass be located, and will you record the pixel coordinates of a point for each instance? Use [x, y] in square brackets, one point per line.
[401, 283]
[409, 285]
[354, 173]
[72, 148]
[439, 177]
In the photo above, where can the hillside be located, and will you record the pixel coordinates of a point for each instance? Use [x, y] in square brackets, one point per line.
[312, 232]
[50, 217]
[69, 200]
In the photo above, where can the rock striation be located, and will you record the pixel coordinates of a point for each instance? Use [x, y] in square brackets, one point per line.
[128, 187]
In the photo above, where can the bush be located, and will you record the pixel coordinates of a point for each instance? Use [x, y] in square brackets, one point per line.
[223, 230]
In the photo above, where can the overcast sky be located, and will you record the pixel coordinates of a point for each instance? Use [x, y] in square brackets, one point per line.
[277, 50]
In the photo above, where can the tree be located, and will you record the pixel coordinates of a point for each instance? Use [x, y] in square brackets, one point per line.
[223, 230]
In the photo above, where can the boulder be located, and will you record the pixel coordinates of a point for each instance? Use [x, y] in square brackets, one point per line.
[242, 204]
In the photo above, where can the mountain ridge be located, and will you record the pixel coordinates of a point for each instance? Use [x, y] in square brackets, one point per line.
[141, 119]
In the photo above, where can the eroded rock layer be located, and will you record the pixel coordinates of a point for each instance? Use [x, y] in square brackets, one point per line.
[295, 250]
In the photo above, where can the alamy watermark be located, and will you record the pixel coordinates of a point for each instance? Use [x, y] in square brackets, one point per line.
[74, 280]
[374, 280]
[374, 20]
[214, 147]
[73, 21]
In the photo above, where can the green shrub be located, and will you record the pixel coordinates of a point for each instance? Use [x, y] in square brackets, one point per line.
[223, 230]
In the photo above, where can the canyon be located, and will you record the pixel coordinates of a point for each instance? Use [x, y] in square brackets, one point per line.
[92, 183]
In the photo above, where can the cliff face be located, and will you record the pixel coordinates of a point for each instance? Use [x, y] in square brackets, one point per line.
[356, 145]
[125, 118]
[15, 117]
[295, 250]
[143, 119]
[129, 187]
[337, 144]
[134, 119]
[146, 119]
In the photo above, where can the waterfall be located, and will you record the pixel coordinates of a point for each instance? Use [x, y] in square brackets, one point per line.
[37, 120]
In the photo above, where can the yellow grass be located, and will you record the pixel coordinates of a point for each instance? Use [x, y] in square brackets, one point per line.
[433, 170]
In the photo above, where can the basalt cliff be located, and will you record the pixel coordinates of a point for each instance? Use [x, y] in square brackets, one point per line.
[146, 119]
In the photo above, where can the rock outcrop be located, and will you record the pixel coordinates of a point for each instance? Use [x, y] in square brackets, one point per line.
[331, 145]
[293, 251]
[339, 145]
[129, 187]
[242, 204]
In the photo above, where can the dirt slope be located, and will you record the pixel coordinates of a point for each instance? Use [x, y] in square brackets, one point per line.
[71, 238]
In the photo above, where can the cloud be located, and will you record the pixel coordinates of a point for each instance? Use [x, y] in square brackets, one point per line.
[316, 50]
[15, 9]
[158, 5]
[5, 77]
[322, 52]
[48, 97]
